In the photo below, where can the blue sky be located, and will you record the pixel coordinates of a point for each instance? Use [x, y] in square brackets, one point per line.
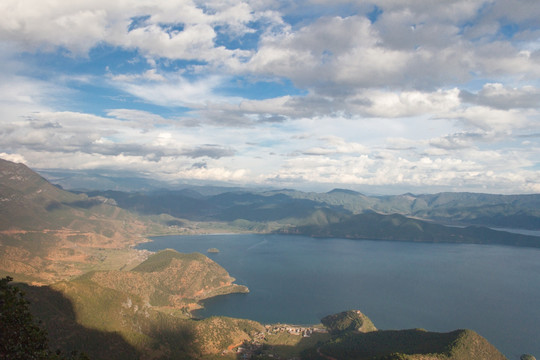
[387, 96]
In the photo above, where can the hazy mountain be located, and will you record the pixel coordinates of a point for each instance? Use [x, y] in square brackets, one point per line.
[88, 180]
[397, 227]
[292, 207]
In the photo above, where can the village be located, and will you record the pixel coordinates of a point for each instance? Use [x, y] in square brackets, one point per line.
[259, 346]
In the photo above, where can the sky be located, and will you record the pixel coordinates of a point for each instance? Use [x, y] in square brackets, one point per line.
[384, 96]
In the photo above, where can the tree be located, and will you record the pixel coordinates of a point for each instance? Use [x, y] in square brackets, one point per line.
[21, 336]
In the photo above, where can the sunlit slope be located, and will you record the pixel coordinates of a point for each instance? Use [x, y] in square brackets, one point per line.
[48, 234]
[144, 312]
[347, 321]
[170, 278]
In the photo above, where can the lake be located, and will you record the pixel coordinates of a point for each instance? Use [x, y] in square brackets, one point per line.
[494, 290]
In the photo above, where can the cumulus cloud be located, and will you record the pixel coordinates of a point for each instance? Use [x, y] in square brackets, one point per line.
[174, 29]
[498, 96]
[412, 45]
[69, 132]
[456, 141]
[404, 104]
[215, 174]
[448, 171]
[494, 120]
[417, 93]
[336, 145]
[17, 158]
[174, 91]
[208, 150]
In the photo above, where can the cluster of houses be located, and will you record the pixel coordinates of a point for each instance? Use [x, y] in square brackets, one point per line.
[247, 350]
[294, 330]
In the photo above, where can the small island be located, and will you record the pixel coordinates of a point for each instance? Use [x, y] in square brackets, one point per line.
[213, 250]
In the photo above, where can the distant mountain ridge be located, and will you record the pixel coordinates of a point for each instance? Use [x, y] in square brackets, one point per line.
[457, 208]
[395, 227]
[444, 217]
[505, 211]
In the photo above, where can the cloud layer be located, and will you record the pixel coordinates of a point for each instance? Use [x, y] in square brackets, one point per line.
[388, 95]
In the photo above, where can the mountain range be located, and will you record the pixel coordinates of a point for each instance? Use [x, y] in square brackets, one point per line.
[99, 295]
[444, 217]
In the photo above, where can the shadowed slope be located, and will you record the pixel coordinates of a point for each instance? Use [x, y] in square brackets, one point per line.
[355, 338]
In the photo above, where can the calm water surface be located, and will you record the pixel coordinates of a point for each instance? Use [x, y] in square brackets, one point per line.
[494, 290]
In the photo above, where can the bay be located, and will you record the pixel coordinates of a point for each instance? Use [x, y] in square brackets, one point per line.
[494, 290]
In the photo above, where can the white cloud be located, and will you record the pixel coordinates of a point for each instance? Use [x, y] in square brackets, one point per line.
[495, 120]
[404, 104]
[148, 75]
[216, 174]
[498, 96]
[448, 171]
[336, 145]
[81, 25]
[17, 158]
[434, 94]
[173, 91]
[418, 45]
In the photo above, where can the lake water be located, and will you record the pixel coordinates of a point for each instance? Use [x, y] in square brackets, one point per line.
[494, 290]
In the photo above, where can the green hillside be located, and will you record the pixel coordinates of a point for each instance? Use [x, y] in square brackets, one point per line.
[408, 345]
[169, 278]
[109, 324]
[144, 312]
[352, 320]
[356, 338]
[162, 260]
[106, 323]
